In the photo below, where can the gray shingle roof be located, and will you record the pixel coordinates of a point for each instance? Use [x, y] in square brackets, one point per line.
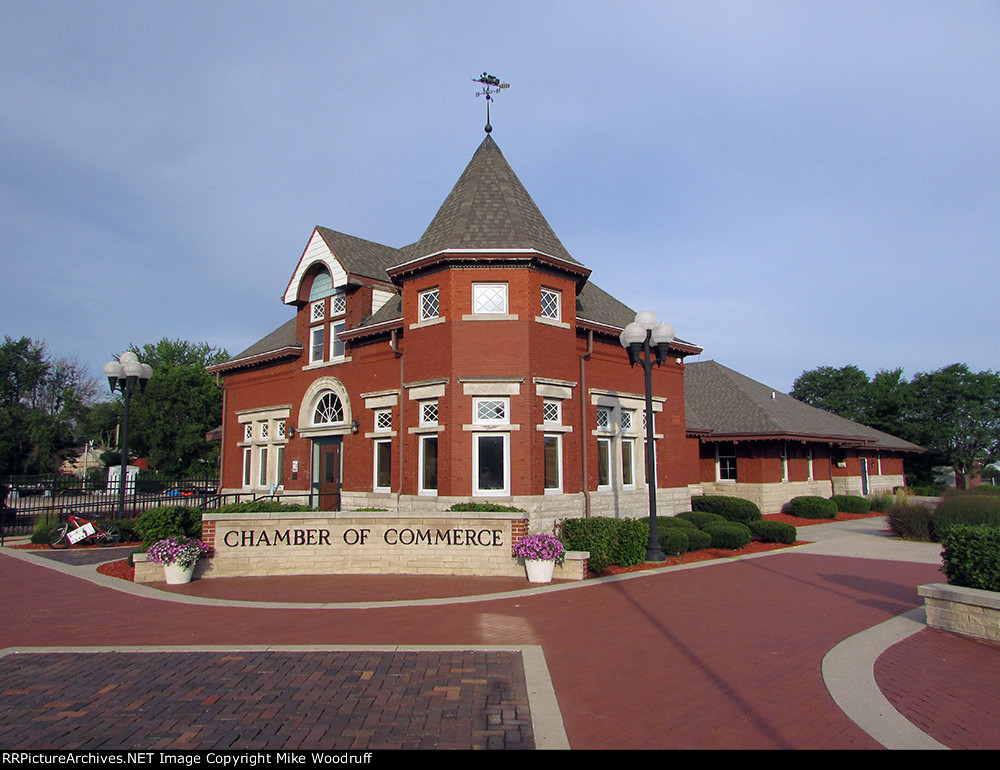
[488, 208]
[732, 405]
[361, 257]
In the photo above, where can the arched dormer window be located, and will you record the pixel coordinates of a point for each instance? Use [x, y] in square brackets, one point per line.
[329, 410]
[322, 285]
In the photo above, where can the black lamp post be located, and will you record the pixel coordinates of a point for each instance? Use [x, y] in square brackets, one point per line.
[647, 342]
[123, 375]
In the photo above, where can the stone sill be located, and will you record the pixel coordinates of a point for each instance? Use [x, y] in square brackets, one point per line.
[967, 611]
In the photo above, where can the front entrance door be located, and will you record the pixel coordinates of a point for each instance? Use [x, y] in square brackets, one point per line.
[327, 483]
[864, 476]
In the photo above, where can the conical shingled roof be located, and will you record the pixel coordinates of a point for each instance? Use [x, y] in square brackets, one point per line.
[488, 208]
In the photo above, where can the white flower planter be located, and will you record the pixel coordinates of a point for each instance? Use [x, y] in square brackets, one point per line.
[539, 570]
[175, 573]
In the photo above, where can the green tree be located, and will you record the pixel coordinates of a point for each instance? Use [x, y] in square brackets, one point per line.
[42, 405]
[956, 413]
[181, 403]
[845, 391]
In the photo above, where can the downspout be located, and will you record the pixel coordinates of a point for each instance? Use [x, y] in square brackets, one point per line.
[585, 438]
[394, 344]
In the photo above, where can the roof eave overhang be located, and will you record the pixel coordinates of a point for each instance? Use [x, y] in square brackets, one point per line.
[374, 330]
[465, 256]
[842, 441]
[292, 351]
[678, 347]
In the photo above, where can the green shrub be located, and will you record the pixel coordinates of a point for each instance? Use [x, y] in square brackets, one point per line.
[809, 507]
[881, 503]
[985, 489]
[851, 504]
[962, 508]
[630, 540]
[730, 508]
[674, 540]
[595, 534]
[674, 521]
[485, 508]
[910, 520]
[264, 506]
[730, 535]
[43, 528]
[698, 539]
[168, 521]
[702, 519]
[773, 531]
[971, 556]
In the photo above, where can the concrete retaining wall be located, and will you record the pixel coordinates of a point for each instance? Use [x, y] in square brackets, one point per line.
[966, 611]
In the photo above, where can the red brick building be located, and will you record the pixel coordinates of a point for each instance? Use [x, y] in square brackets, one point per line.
[481, 363]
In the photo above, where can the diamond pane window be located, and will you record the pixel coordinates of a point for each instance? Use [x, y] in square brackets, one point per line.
[279, 429]
[338, 303]
[550, 411]
[489, 298]
[430, 304]
[248, 432]
[491, 410]
[604, 418]
[383, 420]
[428, 412]
[550, 304]
[318, 310]
[329, 410]
[626, 419]
[263, 429]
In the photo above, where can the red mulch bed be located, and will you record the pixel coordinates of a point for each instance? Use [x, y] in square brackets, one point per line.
[119, 569]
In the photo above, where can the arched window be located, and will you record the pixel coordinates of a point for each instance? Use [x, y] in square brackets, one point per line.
[329, 410]
[322, 285]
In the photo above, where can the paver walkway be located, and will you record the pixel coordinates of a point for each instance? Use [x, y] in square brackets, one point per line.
[722, 655]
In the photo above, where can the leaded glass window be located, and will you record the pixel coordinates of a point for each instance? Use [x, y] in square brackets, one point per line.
[329, 410]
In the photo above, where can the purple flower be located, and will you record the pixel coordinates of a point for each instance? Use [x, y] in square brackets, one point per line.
[542, 546]
[182, 551]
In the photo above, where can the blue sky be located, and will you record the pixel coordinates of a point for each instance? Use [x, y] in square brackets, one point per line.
[790, 184]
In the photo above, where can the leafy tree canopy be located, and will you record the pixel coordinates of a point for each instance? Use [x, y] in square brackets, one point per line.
[953, 412]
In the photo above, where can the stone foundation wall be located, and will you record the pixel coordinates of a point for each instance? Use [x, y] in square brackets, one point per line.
[966, 611]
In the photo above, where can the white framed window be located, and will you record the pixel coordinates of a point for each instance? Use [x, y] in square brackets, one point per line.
[490, 464]
[279, 465]
[316, 344]
[490, 410]
[603, 418]
[338, 303]
[429, 304]
[279, 430]
[318, 310]
[337, 347]
[383, 420]
[248, 432]
[428, 465]
[552, 411]
[263, 429]
[551, 302]
[489, 298]
[383, 466]
[725, 461]
[552, 462]
[784, 461]
[627, 420]
[247, 464]
[429, 412]
[628, 463]
[809, 464]
[604, 463]
[262, 466]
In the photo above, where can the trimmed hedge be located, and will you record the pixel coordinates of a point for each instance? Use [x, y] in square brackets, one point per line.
[730, 535]
[730, 508]
[168, 521]
[852, 504]
[767, 531]
[596, 535]
[810, 507]
[702, 519]
[263, 506]
[971, 556]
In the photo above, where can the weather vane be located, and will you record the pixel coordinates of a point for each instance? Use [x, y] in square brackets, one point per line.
[491, 85]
